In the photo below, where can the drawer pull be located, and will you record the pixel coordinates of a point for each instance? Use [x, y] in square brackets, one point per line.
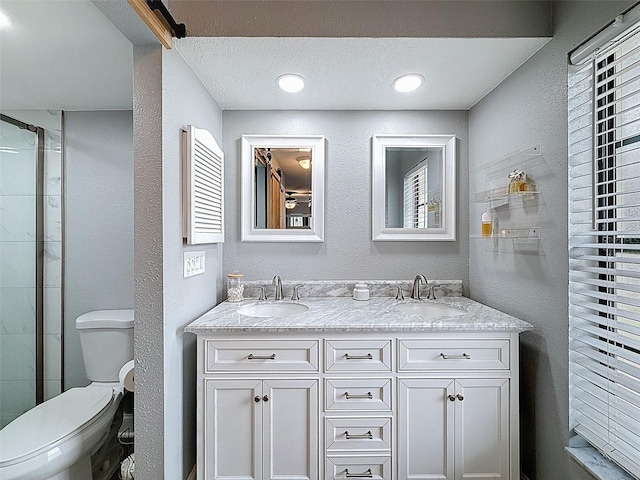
[451, 398]
[464, 356]
[460, 397]
[367, 474]
[368, 435]
[261, 357]
[359, 395]
[368, 356]
[256, 398]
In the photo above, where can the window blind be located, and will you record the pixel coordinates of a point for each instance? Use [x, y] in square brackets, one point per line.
[415, 196]
[604, 250]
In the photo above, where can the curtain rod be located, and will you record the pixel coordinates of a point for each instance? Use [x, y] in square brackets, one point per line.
[618, 25]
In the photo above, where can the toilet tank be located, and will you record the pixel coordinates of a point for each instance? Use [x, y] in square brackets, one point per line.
[106, 337]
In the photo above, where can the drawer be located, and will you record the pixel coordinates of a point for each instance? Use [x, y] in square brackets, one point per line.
[375, 467]
[446, 354]
[261, 356]
[358, 355]
[354, 394]
[348, 434]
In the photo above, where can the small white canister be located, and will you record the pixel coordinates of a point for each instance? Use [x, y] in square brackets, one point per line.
[361, 292]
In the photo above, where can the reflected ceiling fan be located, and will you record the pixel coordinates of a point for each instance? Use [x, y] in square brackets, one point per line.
[290, 201]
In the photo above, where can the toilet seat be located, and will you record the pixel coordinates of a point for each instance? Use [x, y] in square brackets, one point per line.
[57, 418]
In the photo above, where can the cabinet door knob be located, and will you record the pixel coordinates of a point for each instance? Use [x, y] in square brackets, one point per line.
[452, 398]
[459, 397]
[265, 398]
[256, 398]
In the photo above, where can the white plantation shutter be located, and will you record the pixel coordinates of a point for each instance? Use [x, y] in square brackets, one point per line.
[203, 188]
[604, 250]
[415, 197]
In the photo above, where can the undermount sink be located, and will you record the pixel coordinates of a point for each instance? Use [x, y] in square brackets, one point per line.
[431, 309]
[272, 309]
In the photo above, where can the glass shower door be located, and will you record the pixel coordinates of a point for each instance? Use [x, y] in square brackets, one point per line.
[20, 268]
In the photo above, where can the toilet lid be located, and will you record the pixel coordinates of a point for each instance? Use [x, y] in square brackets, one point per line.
[51, 421]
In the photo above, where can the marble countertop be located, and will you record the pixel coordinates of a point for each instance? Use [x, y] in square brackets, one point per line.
[344, 314]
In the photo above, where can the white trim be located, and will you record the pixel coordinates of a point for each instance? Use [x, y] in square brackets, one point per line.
[380, 232]
[249, 233]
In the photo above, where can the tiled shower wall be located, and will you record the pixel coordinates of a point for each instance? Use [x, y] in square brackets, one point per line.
[17, 285]
[53, 261]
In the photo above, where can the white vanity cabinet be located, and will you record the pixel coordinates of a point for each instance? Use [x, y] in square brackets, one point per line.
[337, 405]
[453, 429]
[253, 424]
[454, 412]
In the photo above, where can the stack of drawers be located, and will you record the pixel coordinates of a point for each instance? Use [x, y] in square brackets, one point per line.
[358, 412]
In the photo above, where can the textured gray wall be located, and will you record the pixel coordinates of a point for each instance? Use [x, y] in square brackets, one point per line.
[98, 256]
[149, 319]
[527, 109]
[186, 102]
[167, 97]
[348, 251]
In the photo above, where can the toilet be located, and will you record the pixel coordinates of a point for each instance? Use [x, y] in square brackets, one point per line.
[70, 437]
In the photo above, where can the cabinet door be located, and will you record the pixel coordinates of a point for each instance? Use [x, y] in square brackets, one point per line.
[425, 429]
[290, 426]
[233, 430]
[482, 429]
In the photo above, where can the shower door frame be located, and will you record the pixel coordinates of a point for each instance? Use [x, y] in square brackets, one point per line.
[39, 132]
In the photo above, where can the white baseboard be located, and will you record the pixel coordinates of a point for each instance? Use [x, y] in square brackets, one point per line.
[192, 474]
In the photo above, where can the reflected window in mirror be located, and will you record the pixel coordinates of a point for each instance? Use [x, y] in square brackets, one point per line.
[282, 188]
[413, 187]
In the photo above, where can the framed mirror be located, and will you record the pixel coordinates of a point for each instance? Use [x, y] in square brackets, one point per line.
[283, 188]
[414, 188]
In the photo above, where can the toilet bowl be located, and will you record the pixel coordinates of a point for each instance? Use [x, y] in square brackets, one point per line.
[57, 439]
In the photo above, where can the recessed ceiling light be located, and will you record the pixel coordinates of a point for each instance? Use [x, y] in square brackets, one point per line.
[290, 82]
[5, 21]
[408, 83]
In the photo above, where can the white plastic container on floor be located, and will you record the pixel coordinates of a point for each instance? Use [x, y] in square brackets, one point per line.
[128, 468]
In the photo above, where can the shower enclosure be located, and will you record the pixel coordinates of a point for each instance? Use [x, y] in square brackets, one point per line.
[21, 267]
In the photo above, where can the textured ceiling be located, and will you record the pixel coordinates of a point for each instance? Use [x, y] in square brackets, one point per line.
[66, 54]
[353, 73]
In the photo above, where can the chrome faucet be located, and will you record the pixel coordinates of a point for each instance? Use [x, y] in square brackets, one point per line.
[276, 282]
[415, 290]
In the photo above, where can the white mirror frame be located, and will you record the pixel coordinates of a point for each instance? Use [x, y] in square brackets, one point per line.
[380, 232]
[249, 233]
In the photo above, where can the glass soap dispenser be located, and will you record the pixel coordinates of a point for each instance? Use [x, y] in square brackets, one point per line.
[235, 286]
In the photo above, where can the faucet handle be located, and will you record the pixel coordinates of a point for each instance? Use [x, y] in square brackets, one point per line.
[294, 295]
[432, 294]
[399, 294]
[262, 294]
